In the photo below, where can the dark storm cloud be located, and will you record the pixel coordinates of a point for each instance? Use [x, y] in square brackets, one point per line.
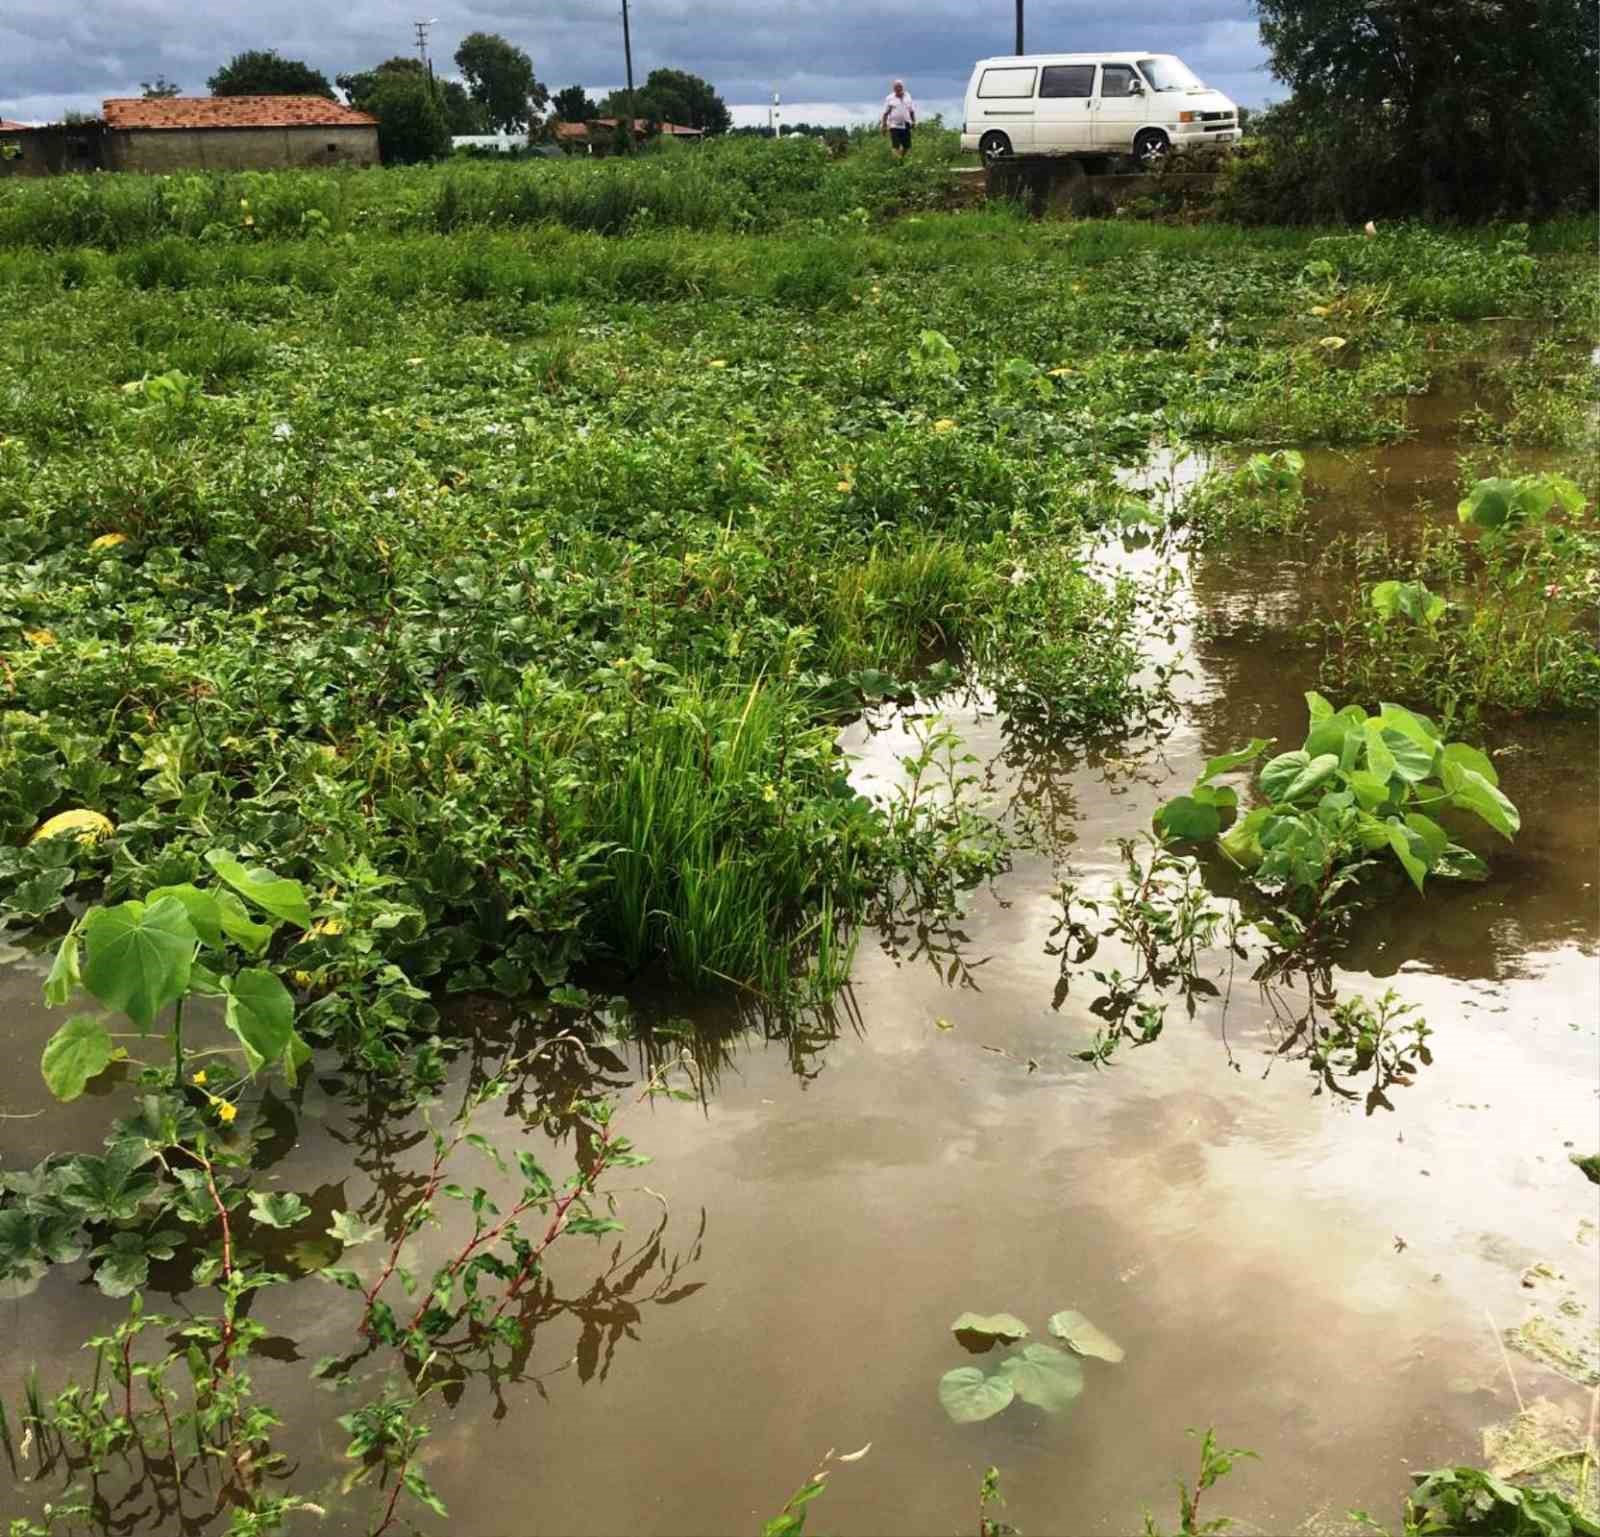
[840, 52]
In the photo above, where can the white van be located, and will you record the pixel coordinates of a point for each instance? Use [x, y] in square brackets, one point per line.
[1147, 105]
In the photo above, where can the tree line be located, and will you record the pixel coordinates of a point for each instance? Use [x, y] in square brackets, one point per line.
[498, 92]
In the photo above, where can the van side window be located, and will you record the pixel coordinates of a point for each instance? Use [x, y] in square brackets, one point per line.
[1116, 79]
[1006, 83]
[1062, 80]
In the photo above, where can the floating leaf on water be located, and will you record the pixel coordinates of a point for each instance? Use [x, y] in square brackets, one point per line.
[968, 1396]
[1043, 1376]
[994, 1326]
[1086, 1338]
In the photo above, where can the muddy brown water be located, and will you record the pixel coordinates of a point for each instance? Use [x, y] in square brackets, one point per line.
[1315, 1281]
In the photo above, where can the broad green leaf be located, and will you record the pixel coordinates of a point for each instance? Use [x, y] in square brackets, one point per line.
[1413, 761]
[1317, 772]
[1408, 849]
[1419, 728]
[1223, 797]
[277, 1209]
[1373, 832]
[273, 894]
[74, 1054]
[1281, 772]
[65, 978]
[1412, 599]
[137, 958]
[1380, 761]
[1317, 707]
[109, 1189]
[1434, 837]
[998, 1326]
[1188, 818]
[1084, 1337]
[1369, 788]
[1226, 762]
[1488, 504]
[1242, 842]
[1470, 758]
[1472, 792]
[1328, 736]
[260, 1011]
[967, 1396]
[201, 907]
[252, 937]
[1043, 1376]
[350, 1228]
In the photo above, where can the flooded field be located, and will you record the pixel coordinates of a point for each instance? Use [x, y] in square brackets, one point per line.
[1321, 1264]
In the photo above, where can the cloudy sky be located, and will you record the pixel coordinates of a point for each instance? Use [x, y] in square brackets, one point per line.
[830, 59]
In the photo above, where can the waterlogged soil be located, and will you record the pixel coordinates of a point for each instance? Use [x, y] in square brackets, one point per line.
[1325, 1284]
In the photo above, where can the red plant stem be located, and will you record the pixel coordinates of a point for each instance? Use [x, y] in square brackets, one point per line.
[431, 1189]
[127, 1379]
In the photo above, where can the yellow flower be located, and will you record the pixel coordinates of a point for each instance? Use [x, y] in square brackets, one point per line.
[717, 363]
[39, 638]
[845, 485]
[226, 1112]
[944, 424]
[769, 792]
[108, 541]
[199, 1078]
[249, 221]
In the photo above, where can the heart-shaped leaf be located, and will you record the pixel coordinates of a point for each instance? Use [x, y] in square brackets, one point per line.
[1320, 769]
[1086, 1338]
[74, 1054]
[1281, 772]
[968, 1396]
[137, 957]
[1043, 1376]
[1188, 818]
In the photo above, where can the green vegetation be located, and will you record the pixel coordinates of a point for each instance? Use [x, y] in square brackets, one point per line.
[1501, 614]
[454, 582]
[1360, 788]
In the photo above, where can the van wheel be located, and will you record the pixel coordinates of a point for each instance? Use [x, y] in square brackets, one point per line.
[994, 146]
[1150, 148]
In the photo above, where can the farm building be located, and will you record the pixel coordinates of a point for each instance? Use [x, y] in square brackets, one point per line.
[235, 133]
[199, 133]
[599, 136]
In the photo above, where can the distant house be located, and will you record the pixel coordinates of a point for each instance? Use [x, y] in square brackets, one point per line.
[599, 135]
[196, 133]
[235, 133]
[495, 143]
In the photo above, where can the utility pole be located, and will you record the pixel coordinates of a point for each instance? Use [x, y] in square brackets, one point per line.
[627, 57]
[422, 39]
[772, 113]
[1020, 48]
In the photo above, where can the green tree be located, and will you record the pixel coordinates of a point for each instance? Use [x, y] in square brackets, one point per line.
[160, 89]
[673, 96]
[1489, 105]
[572, 105]
[461, 113]
[264, 72]
[411, 123]
[500, 79]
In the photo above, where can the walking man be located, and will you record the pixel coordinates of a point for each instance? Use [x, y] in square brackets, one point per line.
[899, 115]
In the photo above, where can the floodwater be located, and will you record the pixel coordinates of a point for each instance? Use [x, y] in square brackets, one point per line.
[1322, 1283]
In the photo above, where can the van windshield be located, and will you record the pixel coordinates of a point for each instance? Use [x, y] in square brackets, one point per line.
[1166, 73]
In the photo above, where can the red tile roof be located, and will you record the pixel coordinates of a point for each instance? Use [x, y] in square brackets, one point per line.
[641, 125]
[232, 112]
